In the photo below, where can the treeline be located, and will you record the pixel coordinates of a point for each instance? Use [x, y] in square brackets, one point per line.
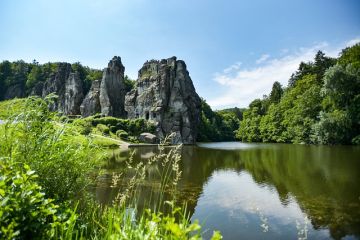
[219, 125]
[18, 79]
[320, 105]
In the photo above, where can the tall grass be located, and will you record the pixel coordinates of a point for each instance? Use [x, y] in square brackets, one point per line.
[37, 141]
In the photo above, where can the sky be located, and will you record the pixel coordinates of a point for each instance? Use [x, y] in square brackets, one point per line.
[234, 49]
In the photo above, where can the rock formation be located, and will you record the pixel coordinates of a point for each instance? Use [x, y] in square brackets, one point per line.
[73, 94]
[165, 95]
[56, 83]
[112, 89]
[91, 104]
[14, 91]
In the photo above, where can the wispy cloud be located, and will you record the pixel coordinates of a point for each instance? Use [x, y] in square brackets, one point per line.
[233, 67]
[244, 85]
[263, 58]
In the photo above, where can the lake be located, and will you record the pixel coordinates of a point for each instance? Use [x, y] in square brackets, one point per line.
[261, 191]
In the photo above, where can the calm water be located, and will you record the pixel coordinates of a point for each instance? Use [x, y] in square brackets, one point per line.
[263, 191]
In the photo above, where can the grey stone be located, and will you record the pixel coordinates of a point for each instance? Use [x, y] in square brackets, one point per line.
[112, 89]
[37, 89]
[148, 138]
[73, 94]
[56, 84]
[91, 103]
[165, 95]
[14, 91]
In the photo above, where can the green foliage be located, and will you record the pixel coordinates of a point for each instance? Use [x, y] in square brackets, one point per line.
[350, 55]
[34, 76]
[318, 68]
[340, 120]
[83, 126]
[276, 93]
[25, 212]
[132, 126]
[321, 105]
[334, 127]
[103, 128]
[54, 150]
[122, 134]
[249, 130]
[11, 107]
[64, 161]
[237, 112]
[26, 75]
[217, 126]
[129, 83]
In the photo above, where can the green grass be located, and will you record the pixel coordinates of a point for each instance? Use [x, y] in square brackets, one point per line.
[105, 142]
[46, 167]
[11, 107]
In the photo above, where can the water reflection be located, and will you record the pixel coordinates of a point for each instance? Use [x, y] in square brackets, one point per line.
[272, 191]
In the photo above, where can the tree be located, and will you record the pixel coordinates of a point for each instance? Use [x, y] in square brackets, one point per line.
[249, 130]
[350, 55]
[35, 75]
[333, 128]
[340, 120]
[5, 73]
[276, 93]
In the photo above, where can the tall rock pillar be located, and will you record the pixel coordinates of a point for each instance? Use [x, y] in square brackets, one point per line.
[112, 89]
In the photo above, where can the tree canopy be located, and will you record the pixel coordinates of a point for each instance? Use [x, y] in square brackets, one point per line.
[320, 105]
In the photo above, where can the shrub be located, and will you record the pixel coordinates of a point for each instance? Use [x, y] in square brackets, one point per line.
[103, 128]
[122, 134]
[25, 211]
[83, 126]
[57, 152]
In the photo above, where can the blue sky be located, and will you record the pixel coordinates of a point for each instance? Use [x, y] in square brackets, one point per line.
[234, 50]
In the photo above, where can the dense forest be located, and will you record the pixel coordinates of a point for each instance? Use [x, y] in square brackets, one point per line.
[320, 105]
[19, 79]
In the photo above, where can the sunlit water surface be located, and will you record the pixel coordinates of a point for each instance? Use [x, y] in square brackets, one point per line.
[262, 191]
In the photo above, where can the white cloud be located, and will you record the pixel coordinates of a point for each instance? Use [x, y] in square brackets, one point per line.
[263, 58]
[352, 42]
[244, 85]
[233, 67]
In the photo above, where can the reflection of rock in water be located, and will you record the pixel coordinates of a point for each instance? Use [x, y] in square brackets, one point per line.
[324, 185]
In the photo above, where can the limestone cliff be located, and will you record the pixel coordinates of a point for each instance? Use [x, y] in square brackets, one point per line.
[74, 94]
[91, 104]
[164, 93]
[56, 83]
[112, 89]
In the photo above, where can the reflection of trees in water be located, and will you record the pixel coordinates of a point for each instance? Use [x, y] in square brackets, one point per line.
[323, 180]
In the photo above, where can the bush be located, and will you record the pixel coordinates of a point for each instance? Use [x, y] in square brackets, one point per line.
[57, 152]
[103, 128]
[83, 126]
[132, 126]
[122, 134]
[25, 211]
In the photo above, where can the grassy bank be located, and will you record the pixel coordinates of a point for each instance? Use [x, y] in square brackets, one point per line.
[47, 164]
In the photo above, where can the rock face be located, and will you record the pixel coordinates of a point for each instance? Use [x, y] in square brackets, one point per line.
[57, 84]
[14, 91]
[112, 89]
[165, 95]
[91, 104]
[148, 138]
[74, 94]
[106, 96]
